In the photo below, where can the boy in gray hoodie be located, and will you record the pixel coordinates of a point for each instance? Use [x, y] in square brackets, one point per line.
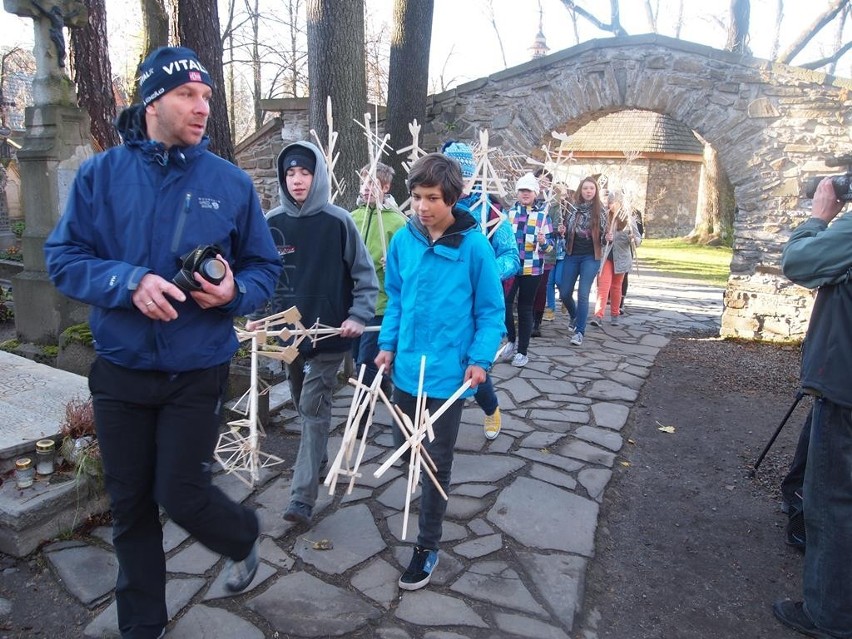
[329, 276]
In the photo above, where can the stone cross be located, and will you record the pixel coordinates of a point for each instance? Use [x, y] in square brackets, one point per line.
[50, 17]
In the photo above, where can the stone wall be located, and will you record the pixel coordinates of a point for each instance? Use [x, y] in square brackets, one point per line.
[772, 126]
[257, 153]
[672, 197]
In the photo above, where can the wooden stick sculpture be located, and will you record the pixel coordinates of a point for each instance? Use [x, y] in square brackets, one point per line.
[415, 152]
[489, 181]
[377, 147]
[238, 451]
[337, 187]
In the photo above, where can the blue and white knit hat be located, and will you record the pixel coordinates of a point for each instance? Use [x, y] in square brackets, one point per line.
[167, 68]
[463, 154]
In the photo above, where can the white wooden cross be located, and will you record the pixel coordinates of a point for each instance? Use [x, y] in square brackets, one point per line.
[337, 187]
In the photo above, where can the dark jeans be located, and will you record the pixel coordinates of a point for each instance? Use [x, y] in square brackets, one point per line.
[525, 287]
[486, 397]
[157, 432]
[791, 485]
[827, 579]
[432, 505]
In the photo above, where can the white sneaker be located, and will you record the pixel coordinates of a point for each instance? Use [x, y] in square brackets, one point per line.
[507, 352]
[572, 325]
[577, 339]
[520, 360]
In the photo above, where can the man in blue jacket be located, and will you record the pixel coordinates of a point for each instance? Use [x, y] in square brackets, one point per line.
[164, 351]
[820, 256]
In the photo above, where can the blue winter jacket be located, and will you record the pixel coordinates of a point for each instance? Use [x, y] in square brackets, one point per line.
[445, 301]
[502, 240]
[135, 209]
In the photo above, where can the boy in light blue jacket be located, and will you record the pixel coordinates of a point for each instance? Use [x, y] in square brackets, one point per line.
[445, 302]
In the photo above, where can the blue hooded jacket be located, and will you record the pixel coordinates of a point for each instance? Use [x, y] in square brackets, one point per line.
[135, 209]
[445, 301]
[502, 239]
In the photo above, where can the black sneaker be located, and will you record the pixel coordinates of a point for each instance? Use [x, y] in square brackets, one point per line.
[420, 568]
[298, 512]
[792, 614]
[536, 331]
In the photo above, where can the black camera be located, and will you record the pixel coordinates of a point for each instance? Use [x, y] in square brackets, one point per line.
[842, 183]
[201, 260]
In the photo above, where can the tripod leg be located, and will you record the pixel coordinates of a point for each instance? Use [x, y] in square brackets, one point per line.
[777, 432]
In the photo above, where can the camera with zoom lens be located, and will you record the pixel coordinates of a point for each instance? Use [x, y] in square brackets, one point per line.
[201, 260]
[842, 183]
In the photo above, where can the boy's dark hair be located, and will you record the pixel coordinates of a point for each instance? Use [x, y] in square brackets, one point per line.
[436, 169]
[542, 171]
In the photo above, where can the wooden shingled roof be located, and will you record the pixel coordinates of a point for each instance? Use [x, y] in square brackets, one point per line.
[635, 131]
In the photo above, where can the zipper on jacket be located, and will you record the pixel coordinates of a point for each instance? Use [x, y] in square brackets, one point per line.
[181, 222]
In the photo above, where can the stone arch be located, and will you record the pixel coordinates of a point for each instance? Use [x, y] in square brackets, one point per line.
[768, 123]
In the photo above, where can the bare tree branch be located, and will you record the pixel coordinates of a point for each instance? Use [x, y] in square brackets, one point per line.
[651, 15]
[807, 35]
[489, 12]
[816, 64]
[613, 26]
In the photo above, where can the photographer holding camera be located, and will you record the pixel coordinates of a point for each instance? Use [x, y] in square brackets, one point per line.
[167, 243]
[820, 256]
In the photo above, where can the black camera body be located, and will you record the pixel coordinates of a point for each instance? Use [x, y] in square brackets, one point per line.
[201, 260]
[842, 183]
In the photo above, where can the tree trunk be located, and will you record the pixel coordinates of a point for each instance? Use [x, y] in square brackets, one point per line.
[714, 212]
[739, 26]
[336, 70]
[408, 79]
[155, 33]
[198, 29]
[92, 73]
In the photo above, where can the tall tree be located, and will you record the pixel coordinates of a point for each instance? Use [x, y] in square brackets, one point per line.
[738, 26]
[408, 79]
[92, 73]
[155, 32]
[336, 70]
[198, 28]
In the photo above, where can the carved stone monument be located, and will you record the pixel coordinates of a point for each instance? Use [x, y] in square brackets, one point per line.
[56, 143]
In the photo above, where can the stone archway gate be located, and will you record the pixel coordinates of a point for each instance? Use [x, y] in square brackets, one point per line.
[772, 126]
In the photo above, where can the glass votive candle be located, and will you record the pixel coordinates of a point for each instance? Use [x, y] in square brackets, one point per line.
[45, 456]
[24, 472]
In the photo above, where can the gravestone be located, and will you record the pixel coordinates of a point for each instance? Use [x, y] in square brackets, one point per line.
[55, 144]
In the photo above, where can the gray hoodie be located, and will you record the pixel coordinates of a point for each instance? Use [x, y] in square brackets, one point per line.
[328, 273]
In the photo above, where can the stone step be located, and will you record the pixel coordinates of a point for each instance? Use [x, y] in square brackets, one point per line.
[52, 507]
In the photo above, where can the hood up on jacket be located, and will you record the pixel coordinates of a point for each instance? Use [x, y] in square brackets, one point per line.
[320, 192]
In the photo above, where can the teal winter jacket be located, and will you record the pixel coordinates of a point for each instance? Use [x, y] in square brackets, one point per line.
[445, 301]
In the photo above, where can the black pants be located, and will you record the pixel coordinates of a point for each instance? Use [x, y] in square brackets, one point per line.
[157, 433]
[793, 482]
[525, 287]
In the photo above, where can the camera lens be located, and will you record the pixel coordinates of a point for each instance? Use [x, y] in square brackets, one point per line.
[212, 270]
